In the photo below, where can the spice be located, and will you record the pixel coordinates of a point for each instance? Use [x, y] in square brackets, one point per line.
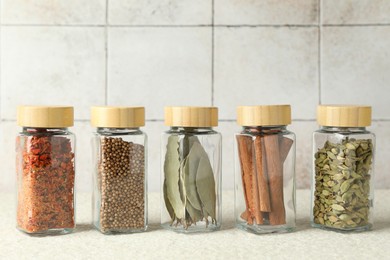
[46, 173]
[191, 170]
[189, 185]
[261, 160]
[342, 183]
[120, 198]
[121, 177]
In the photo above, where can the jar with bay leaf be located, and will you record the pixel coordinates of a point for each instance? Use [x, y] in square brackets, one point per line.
[119, 160]
[342, 187]
[265, 170]
[191, 170]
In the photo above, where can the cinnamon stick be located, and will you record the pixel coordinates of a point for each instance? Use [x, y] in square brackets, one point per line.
[255, 191]
[249, 180]
[284, 147]
[262, 178]
[275, 175]
[245, 180]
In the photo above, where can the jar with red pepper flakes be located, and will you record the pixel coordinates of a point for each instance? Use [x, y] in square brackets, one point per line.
[45, 168]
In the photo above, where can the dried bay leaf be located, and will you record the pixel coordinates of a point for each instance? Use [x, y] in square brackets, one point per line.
[172, 178]
[193, 204]
[192, 140]
[205, 183]
[167, 203]
[185, 161]
[206, 187]
[182, 189]
[194, 213]
[190, 170]
[184, 148]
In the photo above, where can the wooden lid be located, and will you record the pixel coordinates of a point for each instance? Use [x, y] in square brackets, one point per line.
[344, 115]
[191, 116]
[45, 116]
[270, 115]
[117, 117]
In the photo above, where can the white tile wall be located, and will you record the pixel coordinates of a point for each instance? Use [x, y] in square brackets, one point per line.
[152, 67]
[8, 132]
[266, 65]
[52, 65]
[266, 12]
[162, 12]
[355, 67]
[84, 167]
[198, 52]
[303, 131]
[38, 12]
[381, 129]
[356, 11]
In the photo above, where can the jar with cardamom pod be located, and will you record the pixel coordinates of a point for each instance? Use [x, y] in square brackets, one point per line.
[265, 170]
[191, 170]
[343, 169]
[45, 169]
[119, 162]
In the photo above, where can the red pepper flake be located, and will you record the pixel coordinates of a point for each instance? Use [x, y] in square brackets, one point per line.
[45, 166]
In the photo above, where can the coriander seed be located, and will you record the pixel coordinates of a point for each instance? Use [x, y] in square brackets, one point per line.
[120, 196]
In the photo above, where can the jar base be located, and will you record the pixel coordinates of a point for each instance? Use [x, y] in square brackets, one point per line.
[265, 229]
[49, 232]
[192, 229]
[343, 230]
[121, 231]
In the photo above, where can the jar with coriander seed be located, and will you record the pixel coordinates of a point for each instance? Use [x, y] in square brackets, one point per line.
[45, 167]
[119, 161]
[191, 170]
[343, 169]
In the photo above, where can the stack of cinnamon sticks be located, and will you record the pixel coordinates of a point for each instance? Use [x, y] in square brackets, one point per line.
[261, 160]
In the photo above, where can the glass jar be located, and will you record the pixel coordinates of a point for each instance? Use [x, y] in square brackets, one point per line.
[265, 170]
[343, 163]
[191, 170]
[45, 168]
[119, 160]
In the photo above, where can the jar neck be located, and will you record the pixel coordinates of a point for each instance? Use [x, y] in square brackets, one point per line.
[192, 130]
[41, 130]
[119, 131]
[264, 129]
[334, 129]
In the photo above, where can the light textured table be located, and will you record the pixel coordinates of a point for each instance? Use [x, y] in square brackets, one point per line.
[229, 243]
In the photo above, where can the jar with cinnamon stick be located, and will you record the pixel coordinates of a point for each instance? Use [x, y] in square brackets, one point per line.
[119, 162]
[265, 170]
[191, 170]
[45, 168]
[343, 169]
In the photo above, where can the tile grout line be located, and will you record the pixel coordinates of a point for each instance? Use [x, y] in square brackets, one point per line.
[356, 25]
[172, 25]
[266, 25]
[212, 53]
[193, 25]
[106, 56]
[319, 52]
[1, 57]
